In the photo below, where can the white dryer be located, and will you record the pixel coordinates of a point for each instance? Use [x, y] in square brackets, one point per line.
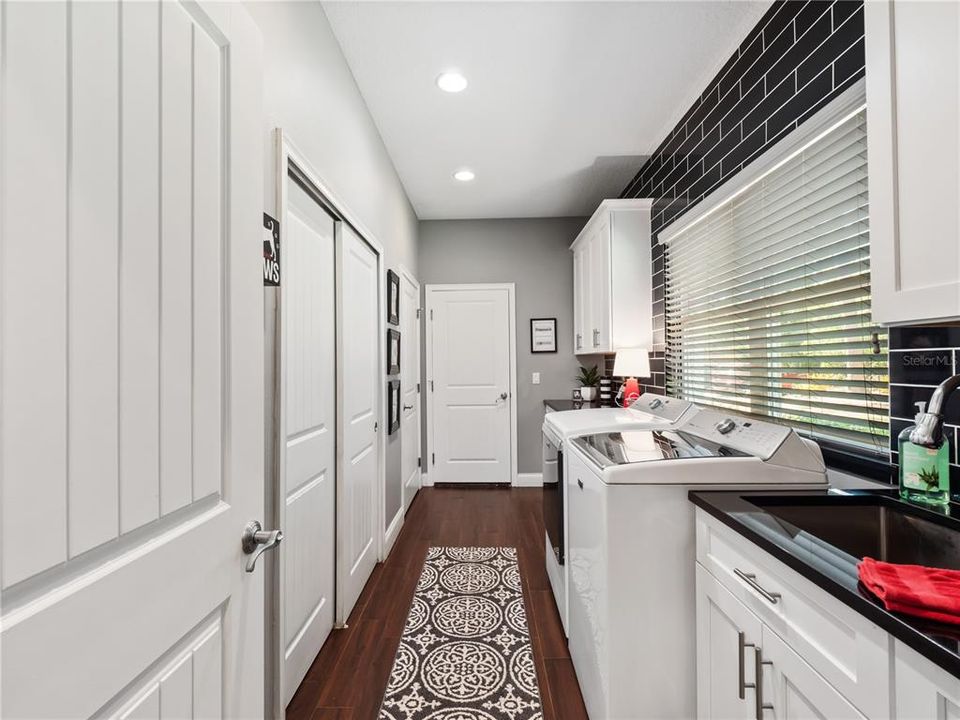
[649, 411]
[631, 543]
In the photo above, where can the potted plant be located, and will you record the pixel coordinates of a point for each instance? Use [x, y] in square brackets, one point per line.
[588, 379]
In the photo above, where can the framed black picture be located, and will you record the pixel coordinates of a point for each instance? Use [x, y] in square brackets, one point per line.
[543, 335]
[393, 407]
[393, 351]
[393, 298]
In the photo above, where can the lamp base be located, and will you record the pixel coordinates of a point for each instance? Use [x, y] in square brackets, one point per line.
[631, 391]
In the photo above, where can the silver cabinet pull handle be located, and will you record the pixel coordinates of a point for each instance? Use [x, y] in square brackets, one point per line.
[408, 407]
[743, 684]
[579, 341]
[758, 679]
[256, 541]
[580, 483]
[596, 338]
[751, 579]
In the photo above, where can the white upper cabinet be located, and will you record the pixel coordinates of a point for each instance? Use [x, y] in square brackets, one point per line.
[913, 126]
[612, 293]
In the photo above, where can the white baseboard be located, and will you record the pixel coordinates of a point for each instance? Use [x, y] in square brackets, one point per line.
[529, 480]
[390, 537]
[425, 480]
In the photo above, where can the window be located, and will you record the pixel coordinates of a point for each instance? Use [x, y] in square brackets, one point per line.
[768, 295]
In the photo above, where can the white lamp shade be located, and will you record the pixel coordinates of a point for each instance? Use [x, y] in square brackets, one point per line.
[632, 362]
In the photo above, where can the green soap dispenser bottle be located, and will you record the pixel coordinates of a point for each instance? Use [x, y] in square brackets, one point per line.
[924, 469]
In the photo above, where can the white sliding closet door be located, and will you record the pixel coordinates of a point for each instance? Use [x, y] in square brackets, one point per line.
[361, 371]
[132, 360]
[308, 498]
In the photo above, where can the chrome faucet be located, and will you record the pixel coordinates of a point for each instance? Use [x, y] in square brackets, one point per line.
[929, 429]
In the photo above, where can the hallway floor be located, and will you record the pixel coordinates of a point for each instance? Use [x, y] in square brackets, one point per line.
[349, 676]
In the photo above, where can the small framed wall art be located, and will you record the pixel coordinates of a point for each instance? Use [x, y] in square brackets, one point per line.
[393, 298]
[543, 335]
[393, 407]
[393, 351]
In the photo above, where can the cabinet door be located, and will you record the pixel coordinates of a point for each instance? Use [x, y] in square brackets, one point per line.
[581, 298]
[795, 691]
[727, 634]
[600, 287]
[913, 135]
[923, 690]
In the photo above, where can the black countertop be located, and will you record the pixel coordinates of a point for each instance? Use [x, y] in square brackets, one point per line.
[561, 405]
[938, 642]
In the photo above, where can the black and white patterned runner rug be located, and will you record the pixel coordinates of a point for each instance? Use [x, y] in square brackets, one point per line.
[465, 653]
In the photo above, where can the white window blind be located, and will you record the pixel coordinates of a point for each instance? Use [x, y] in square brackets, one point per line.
[768, 298]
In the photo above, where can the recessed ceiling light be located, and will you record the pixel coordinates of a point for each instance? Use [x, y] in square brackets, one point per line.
[464, 175]
[451, 82]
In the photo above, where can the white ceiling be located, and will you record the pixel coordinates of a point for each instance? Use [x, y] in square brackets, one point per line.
[565, 98]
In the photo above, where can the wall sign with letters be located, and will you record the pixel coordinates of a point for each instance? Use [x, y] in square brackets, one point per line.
[271, 251]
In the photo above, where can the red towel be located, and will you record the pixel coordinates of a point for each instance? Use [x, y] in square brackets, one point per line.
[931, 593]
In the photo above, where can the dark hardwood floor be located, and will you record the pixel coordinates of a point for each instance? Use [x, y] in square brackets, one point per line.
[349, 676]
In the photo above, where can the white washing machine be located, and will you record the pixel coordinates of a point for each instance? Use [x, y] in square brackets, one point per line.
[649, 411]
[632, 549]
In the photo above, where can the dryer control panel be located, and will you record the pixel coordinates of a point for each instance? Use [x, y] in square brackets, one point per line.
[754, 437]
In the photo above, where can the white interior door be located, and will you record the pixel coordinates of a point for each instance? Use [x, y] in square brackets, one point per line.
[132, 361]
[470, 352]
[308, 477]
[410, 387]
[361, 375]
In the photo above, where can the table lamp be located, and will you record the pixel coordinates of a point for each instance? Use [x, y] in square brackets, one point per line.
[631, 363]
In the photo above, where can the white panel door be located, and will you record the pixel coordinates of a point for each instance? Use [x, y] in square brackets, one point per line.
[361, 375]
[308, 479]
[470, 355]
[132, 375]
[409, 387]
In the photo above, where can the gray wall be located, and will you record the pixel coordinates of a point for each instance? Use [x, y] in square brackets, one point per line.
[310, 93]
[533, 254]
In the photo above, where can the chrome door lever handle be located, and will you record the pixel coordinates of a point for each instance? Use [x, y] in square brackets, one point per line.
[408, 407]
[256, 541]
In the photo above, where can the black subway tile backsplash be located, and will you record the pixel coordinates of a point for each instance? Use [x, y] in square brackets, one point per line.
[903, 400]
[918, 338]
[921, 357]
[798, 58]
[757, 81]
[921, 367]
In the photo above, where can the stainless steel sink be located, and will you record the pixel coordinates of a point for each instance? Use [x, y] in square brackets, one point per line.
[870, 525]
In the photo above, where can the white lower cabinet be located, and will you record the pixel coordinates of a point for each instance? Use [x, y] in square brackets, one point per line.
[764, 652]
[745, 670]
[923, 690]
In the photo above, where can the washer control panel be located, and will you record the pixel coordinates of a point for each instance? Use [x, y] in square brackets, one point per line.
[661, 406]
[754, 437]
